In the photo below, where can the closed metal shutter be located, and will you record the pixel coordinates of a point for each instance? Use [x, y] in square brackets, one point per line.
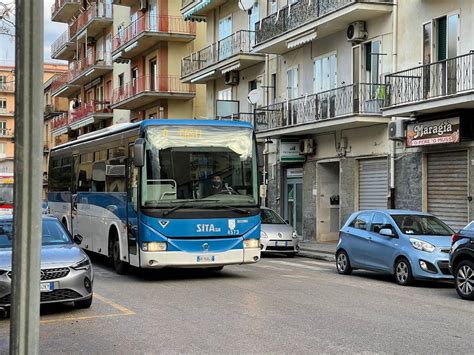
[373, 184]
[447, 187]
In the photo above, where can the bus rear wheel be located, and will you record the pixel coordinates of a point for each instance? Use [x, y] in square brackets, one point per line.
[119, 266]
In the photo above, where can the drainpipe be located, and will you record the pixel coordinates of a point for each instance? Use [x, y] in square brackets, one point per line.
[394, 69]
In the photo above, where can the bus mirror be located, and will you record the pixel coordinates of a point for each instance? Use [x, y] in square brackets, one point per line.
[139, 152]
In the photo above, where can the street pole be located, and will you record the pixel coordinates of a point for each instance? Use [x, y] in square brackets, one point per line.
[24, 326]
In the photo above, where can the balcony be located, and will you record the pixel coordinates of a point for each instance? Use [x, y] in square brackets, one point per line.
[440, 86]
[5, 112]
[90, 112]
[95, 19]
[7, 87]
[63, 10]
[62, 48]
[89, 68]
[57, 106]
[197, 9]
[144, 91]
[350, 106]
[6, 133]
[307, 20]
[147, 31]
[231, 53]
[61, 87]
[59, 125]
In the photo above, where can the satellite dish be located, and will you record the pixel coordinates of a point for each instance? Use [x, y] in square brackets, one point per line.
[246, 4]
[254, 96]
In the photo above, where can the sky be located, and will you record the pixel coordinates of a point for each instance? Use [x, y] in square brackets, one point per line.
[52, 30]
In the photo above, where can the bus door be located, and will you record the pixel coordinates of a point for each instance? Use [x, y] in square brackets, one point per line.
[132, 208]
[80, 209]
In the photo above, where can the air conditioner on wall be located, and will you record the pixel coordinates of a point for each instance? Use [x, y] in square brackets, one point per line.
[306, 146]
[396, 130]
[231, 78]
[356, 32]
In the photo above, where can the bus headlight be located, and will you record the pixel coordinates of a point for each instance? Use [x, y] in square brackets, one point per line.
[154, 246]
[251, 243]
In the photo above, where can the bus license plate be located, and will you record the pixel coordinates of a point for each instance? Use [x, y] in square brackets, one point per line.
[46, 286]
[205, 258]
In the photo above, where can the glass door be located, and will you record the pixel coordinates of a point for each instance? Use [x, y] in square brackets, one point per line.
[294, 204]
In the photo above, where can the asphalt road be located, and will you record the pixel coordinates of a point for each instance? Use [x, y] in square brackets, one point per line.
[279, 305]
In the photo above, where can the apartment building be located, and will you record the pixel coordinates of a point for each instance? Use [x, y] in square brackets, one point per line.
[432, 89]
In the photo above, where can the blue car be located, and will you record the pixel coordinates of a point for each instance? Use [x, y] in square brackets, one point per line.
[409, 245]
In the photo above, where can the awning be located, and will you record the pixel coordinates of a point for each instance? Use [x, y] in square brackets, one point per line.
[196, 8]
[230, 68]
[59, 131]
[300, 40]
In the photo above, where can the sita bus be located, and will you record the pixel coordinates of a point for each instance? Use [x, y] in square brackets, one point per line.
[6, 193]
[161, 193]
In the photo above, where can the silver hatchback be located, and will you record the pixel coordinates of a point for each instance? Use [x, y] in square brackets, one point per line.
[276, 235]
[66, 271]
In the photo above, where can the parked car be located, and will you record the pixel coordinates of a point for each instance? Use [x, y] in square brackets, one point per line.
[409, 245]
[66, 271]
[276, 234]
[461, 261]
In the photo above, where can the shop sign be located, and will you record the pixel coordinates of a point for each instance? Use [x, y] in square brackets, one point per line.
[294, 173]
[290, 151]
[433, 132]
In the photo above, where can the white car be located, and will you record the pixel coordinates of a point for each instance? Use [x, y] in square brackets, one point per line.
[276, 235]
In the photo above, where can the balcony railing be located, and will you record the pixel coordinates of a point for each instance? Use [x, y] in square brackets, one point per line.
[354, 99]
[296, 15]
[153, 23]
[6, 132]
[59, 121]
[4, 111]
[60, 3]
[80, 66]
[7, 87]
[160, 84]
[103, 11]
[59, 81]
[436, 80]
[88, 109]
[240, 42]
[59, 42]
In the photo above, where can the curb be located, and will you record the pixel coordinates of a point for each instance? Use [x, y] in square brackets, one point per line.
[317, 255]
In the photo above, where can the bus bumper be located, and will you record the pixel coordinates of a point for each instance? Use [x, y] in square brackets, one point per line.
[196, 260]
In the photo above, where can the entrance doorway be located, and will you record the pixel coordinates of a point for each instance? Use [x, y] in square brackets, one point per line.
[293, 207]
[328, 202]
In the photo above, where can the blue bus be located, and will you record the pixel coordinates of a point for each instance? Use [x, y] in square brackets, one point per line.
[161, 193]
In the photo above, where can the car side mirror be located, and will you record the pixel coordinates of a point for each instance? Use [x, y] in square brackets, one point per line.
[139, 152]
[387, 232]
[77, 239]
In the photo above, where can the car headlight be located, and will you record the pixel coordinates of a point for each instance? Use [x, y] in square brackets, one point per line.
[251, 243]
[263, 235]
[295, 236]
[421, 245]
[154, 246]
[84, 264]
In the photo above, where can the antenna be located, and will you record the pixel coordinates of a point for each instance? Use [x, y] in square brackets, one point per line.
[246, 4]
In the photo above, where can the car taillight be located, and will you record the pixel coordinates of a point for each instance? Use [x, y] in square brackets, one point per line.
[454, 238]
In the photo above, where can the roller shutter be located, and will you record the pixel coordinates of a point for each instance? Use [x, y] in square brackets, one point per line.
[448, 188]
[373, 184]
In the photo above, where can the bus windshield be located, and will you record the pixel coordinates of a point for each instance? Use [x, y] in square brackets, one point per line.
[198, 166]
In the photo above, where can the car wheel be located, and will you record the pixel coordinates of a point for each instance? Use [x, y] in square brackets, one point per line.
[119, 266]
[464, 279]
[403, 273]
[83, 303]
[343, 264]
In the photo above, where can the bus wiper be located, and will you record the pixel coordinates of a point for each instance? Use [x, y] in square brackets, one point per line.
[177, 207]
[229, 207]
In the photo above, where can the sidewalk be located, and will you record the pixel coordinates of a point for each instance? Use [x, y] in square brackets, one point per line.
[317, 250]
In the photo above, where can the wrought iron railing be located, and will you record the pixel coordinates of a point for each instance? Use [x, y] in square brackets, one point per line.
[98, 59]
[295, 15]
[102, 11]
[7, 87]
[59, 42]
[59, 121]
[89, 108]
[354, 99]
[440, 79]
[239, 42]
[58, 4]
[153, 23]
[143, 84]
[6, 132]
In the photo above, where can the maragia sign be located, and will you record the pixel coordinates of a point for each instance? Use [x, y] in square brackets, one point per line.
[433, 132]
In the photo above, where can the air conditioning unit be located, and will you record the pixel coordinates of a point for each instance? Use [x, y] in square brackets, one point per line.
[396, 130]
[143, 5]
[231, 78]
[306, 146]
[356, 32]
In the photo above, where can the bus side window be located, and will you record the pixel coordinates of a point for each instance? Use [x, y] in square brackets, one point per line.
[132, 180]
[115, 175]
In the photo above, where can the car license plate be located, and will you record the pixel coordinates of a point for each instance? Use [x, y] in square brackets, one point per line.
[205, 258]
[282, 244]
[46, 286]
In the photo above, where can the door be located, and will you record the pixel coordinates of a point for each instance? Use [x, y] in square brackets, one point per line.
[294, 204]
[108, 8]
[382, 248]
[132, 209]
[153, 17]
[373, 184]
[134, 80]
[225, 38]
[325, 81]
[447, 187]
[153, 73]
[292, 93]
[254, 17]
[328, 202]
[134, 25]
[358, 239]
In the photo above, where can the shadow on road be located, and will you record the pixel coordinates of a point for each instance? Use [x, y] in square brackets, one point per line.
[442, 284]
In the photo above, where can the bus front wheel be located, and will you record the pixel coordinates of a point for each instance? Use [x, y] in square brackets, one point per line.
[119, 266]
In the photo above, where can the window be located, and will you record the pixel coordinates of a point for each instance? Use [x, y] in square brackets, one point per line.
[3, 104]
[115, 175]
[225, 27]
[373, 61]
[3, 148]
[116, 152]
[380, 222]
[273, 6]
[121, 80]
[427, 43]
[254, 16]
[3, 128]
[325, 73]
[292, 83]
[274, 88]
[3, 81]
[362, 221]
[226, 47]
[153, 71]
[225, 94]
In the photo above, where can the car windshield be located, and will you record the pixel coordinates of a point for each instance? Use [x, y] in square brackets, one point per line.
[421, 225]
[199, 166]
[53, 234]
[270, 217]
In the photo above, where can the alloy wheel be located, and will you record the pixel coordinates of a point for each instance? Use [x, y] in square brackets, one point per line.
[402, 272]
[465, 279]
[341, 262]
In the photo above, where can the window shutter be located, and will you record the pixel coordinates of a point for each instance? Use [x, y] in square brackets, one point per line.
[442, 38]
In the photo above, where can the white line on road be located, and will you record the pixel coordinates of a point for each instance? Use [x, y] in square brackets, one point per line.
[297, 265]
[321, 263]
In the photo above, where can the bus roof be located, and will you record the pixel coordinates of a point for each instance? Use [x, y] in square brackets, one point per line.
[122, 127]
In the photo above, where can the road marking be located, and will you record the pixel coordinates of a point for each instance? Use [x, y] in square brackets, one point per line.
[321, 263]
[113, 304]
[298, 265]
[296, 276]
